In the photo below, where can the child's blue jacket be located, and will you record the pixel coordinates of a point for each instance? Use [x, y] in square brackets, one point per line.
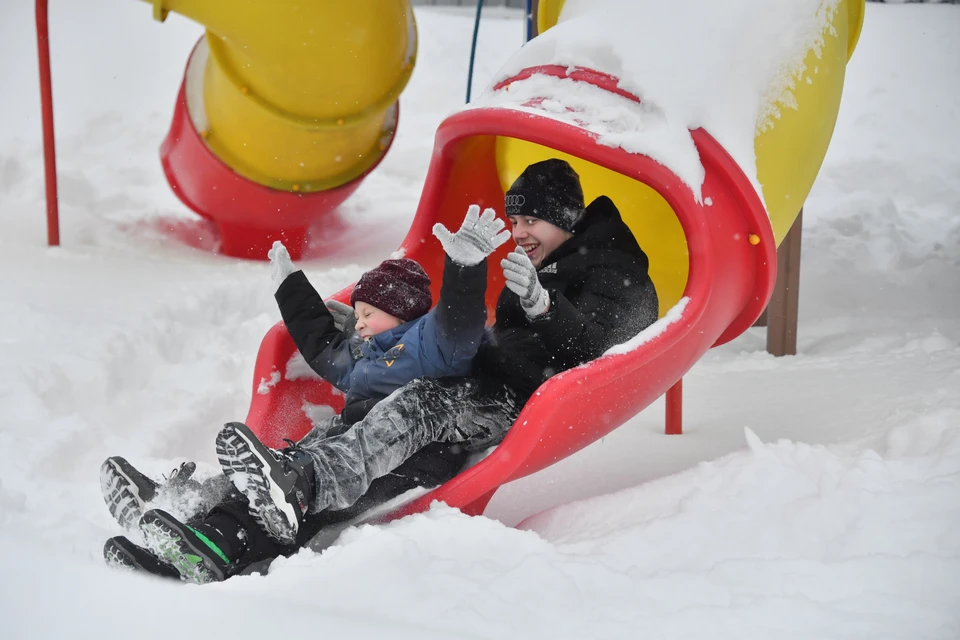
[439, 344]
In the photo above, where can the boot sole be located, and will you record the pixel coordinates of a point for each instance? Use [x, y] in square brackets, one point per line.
[121, 494]
[247, 467]
[120, 553]
[165, 537]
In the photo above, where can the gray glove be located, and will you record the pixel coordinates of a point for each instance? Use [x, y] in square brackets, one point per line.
[478, 237]
[343, 315]
[281, 265]
[521, 278]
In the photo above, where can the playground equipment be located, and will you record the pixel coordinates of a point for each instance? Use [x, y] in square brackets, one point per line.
[272, 129]
[283, 109]
[713, 260]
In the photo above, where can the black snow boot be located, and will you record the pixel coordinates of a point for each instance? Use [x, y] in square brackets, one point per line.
[279, 484]
[120, 553]
[126, 491]
[198, 553]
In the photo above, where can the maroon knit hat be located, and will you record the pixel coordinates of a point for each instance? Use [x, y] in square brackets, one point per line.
[399, 287]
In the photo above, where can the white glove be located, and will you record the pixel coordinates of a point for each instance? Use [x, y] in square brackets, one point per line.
[477, 238]
[521, 278]
[281, 265]
[343, 316]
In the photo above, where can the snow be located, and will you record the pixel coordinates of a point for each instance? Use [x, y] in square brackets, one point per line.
[616, 121]
[813, 496]
[728, 67]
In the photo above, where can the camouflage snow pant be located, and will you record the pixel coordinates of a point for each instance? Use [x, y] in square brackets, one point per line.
[470, 412]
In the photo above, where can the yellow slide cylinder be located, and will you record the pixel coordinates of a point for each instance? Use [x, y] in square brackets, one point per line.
[299, 95]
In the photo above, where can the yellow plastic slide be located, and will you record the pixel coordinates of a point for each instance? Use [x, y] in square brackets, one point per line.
[298, 94]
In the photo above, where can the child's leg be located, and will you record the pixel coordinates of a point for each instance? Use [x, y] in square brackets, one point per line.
[127, 491]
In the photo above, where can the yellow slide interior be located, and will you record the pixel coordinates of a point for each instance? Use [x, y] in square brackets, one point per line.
[648, 215]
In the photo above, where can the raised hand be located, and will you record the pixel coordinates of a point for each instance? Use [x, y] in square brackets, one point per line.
[281, 265]
[343, 315]
[478, 237]
[521, 278]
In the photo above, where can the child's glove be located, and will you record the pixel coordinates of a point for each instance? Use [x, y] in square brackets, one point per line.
[477, 238]
[343, 315]
[281, 265]
[521, 278]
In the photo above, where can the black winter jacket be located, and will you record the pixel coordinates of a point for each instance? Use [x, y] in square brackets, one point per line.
[600, 295]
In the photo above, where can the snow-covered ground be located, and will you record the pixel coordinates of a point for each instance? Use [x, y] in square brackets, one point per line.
[815, 496]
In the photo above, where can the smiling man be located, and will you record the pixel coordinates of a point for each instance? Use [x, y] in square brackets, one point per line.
[546, 192]
[576, 284]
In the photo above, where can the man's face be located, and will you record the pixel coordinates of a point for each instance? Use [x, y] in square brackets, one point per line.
[537, 237]
[371, 320]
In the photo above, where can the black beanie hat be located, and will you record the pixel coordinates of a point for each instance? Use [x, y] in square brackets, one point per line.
[399, 287]
[548, 190]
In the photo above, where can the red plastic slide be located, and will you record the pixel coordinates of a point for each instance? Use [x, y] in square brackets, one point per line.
[731, 271]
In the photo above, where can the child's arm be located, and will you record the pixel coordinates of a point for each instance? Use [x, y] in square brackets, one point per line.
[326, 348]
[452, 331]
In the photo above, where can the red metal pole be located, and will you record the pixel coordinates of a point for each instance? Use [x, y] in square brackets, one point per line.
[675, 409]
[46, 109]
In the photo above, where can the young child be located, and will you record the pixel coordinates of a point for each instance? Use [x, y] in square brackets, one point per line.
[396, 338]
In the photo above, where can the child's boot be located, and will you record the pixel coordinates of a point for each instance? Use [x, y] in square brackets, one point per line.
[279, 484]
[126, 491]
[199, 553]
[120, 553]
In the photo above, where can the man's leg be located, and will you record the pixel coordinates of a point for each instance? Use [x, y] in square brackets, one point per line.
[469, 412]
[338, 469]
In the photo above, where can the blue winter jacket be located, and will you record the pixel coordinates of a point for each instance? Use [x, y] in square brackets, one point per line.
[442, 343]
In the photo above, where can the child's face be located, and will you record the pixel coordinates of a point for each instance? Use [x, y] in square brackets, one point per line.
[537, 237]
[371, 321]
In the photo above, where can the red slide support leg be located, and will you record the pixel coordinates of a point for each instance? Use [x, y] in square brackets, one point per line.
[46, 111]
[675, 409]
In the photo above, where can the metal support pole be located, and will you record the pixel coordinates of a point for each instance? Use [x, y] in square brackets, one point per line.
[784, 307]
[46, 109]
[530, 30]
[674, 399]
[473, 49]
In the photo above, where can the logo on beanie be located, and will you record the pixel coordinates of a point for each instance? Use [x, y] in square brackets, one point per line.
[514, 204]
[550, 191]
